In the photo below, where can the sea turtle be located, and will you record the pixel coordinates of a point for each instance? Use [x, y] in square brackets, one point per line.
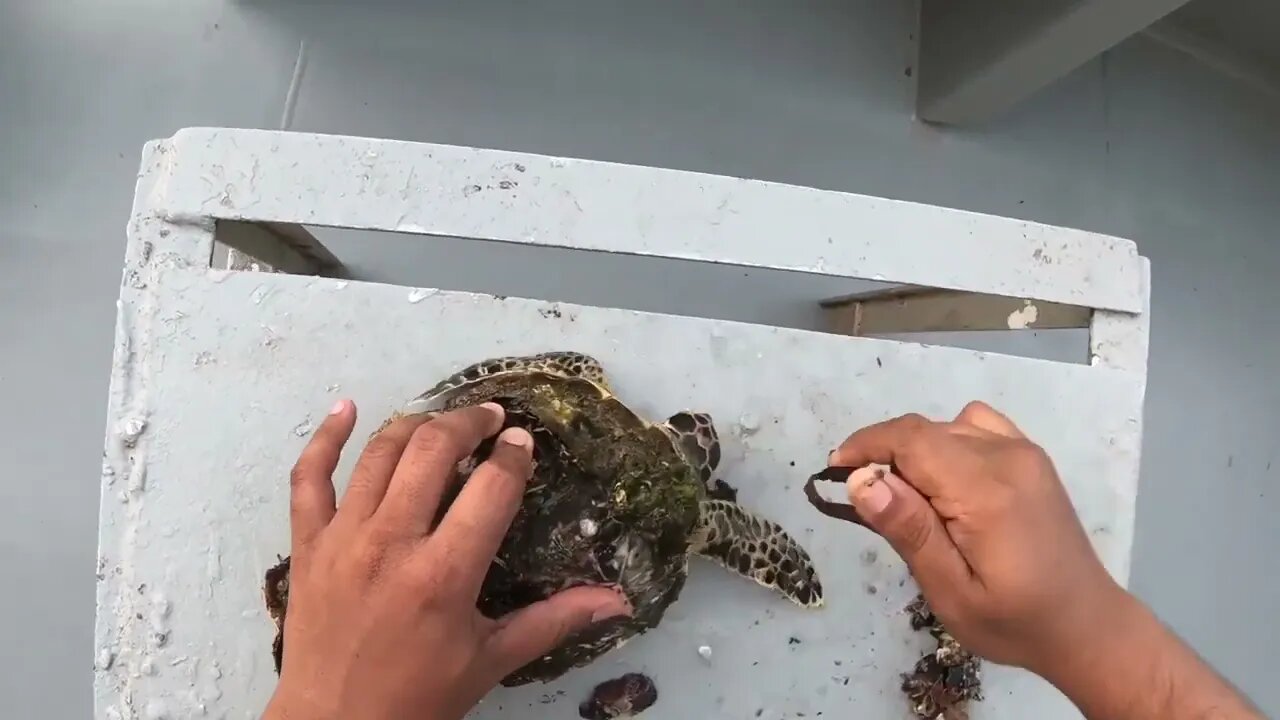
[614, 499]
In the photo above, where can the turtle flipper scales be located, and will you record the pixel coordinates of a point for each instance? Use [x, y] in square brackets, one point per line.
[694, 435]
[758, 549]
[559, 364]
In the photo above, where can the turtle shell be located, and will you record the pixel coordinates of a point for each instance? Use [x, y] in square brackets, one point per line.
[611, 502]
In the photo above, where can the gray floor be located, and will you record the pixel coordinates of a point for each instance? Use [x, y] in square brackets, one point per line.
[1143, 143]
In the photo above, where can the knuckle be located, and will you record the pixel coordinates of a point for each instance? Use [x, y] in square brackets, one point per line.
[914, 421]
[1027, 459]
[511, 463]
[917, 445]
[381, 447]
[300, 475]
[436, 437]
[914, 529]
[429, 580]
[370, 555]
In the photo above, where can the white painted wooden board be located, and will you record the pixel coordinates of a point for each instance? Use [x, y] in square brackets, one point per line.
[219, 377]
[242, 365]
[467, 192]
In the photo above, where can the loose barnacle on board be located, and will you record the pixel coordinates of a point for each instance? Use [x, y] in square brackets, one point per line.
[620, 697]
[944, 681]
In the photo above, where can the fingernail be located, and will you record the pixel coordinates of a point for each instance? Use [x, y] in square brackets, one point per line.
[496, 409]
[868, 492]
[831, 456]
[338, 407]
[517, 436]
[873, 498]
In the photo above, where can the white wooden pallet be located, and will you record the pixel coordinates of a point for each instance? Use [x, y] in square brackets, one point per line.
[219, 375]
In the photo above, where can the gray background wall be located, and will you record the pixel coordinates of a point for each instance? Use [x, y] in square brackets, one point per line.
[1144, 143]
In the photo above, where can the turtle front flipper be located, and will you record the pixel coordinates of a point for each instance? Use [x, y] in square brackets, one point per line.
[560, 364]
[694, 435]
[758, 549]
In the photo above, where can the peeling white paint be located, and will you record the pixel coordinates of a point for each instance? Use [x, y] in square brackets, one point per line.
[106, 658]
[1025, 317]
[417, 295]
[131, 429]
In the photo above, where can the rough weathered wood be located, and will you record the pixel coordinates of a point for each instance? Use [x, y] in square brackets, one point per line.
[281, 247]
[914, 309]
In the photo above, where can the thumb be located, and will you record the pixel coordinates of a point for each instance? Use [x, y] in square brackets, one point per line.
[903, 517]
[529, 633]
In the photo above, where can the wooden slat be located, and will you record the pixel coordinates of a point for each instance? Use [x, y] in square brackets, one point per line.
[913, 309]
[519, 197]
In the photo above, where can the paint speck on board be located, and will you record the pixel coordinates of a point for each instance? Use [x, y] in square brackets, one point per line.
[704, 652]
[748, 424]
[1023, 318]
[270, 338]
[131, 429]
[303, 428]
[106, 658]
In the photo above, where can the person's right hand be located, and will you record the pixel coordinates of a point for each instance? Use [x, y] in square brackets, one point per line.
[986, 527]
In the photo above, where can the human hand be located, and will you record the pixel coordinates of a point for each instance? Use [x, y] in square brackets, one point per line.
[382, 619]
[980, 516]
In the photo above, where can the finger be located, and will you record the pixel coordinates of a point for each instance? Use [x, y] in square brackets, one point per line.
[985, 417]
[527, 634]
[377, 462]
[888, 443]
[428, 466]
[473, 528]
[311, 495]
[904, 518]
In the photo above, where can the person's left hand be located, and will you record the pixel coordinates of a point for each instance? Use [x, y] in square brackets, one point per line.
[382, 620]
